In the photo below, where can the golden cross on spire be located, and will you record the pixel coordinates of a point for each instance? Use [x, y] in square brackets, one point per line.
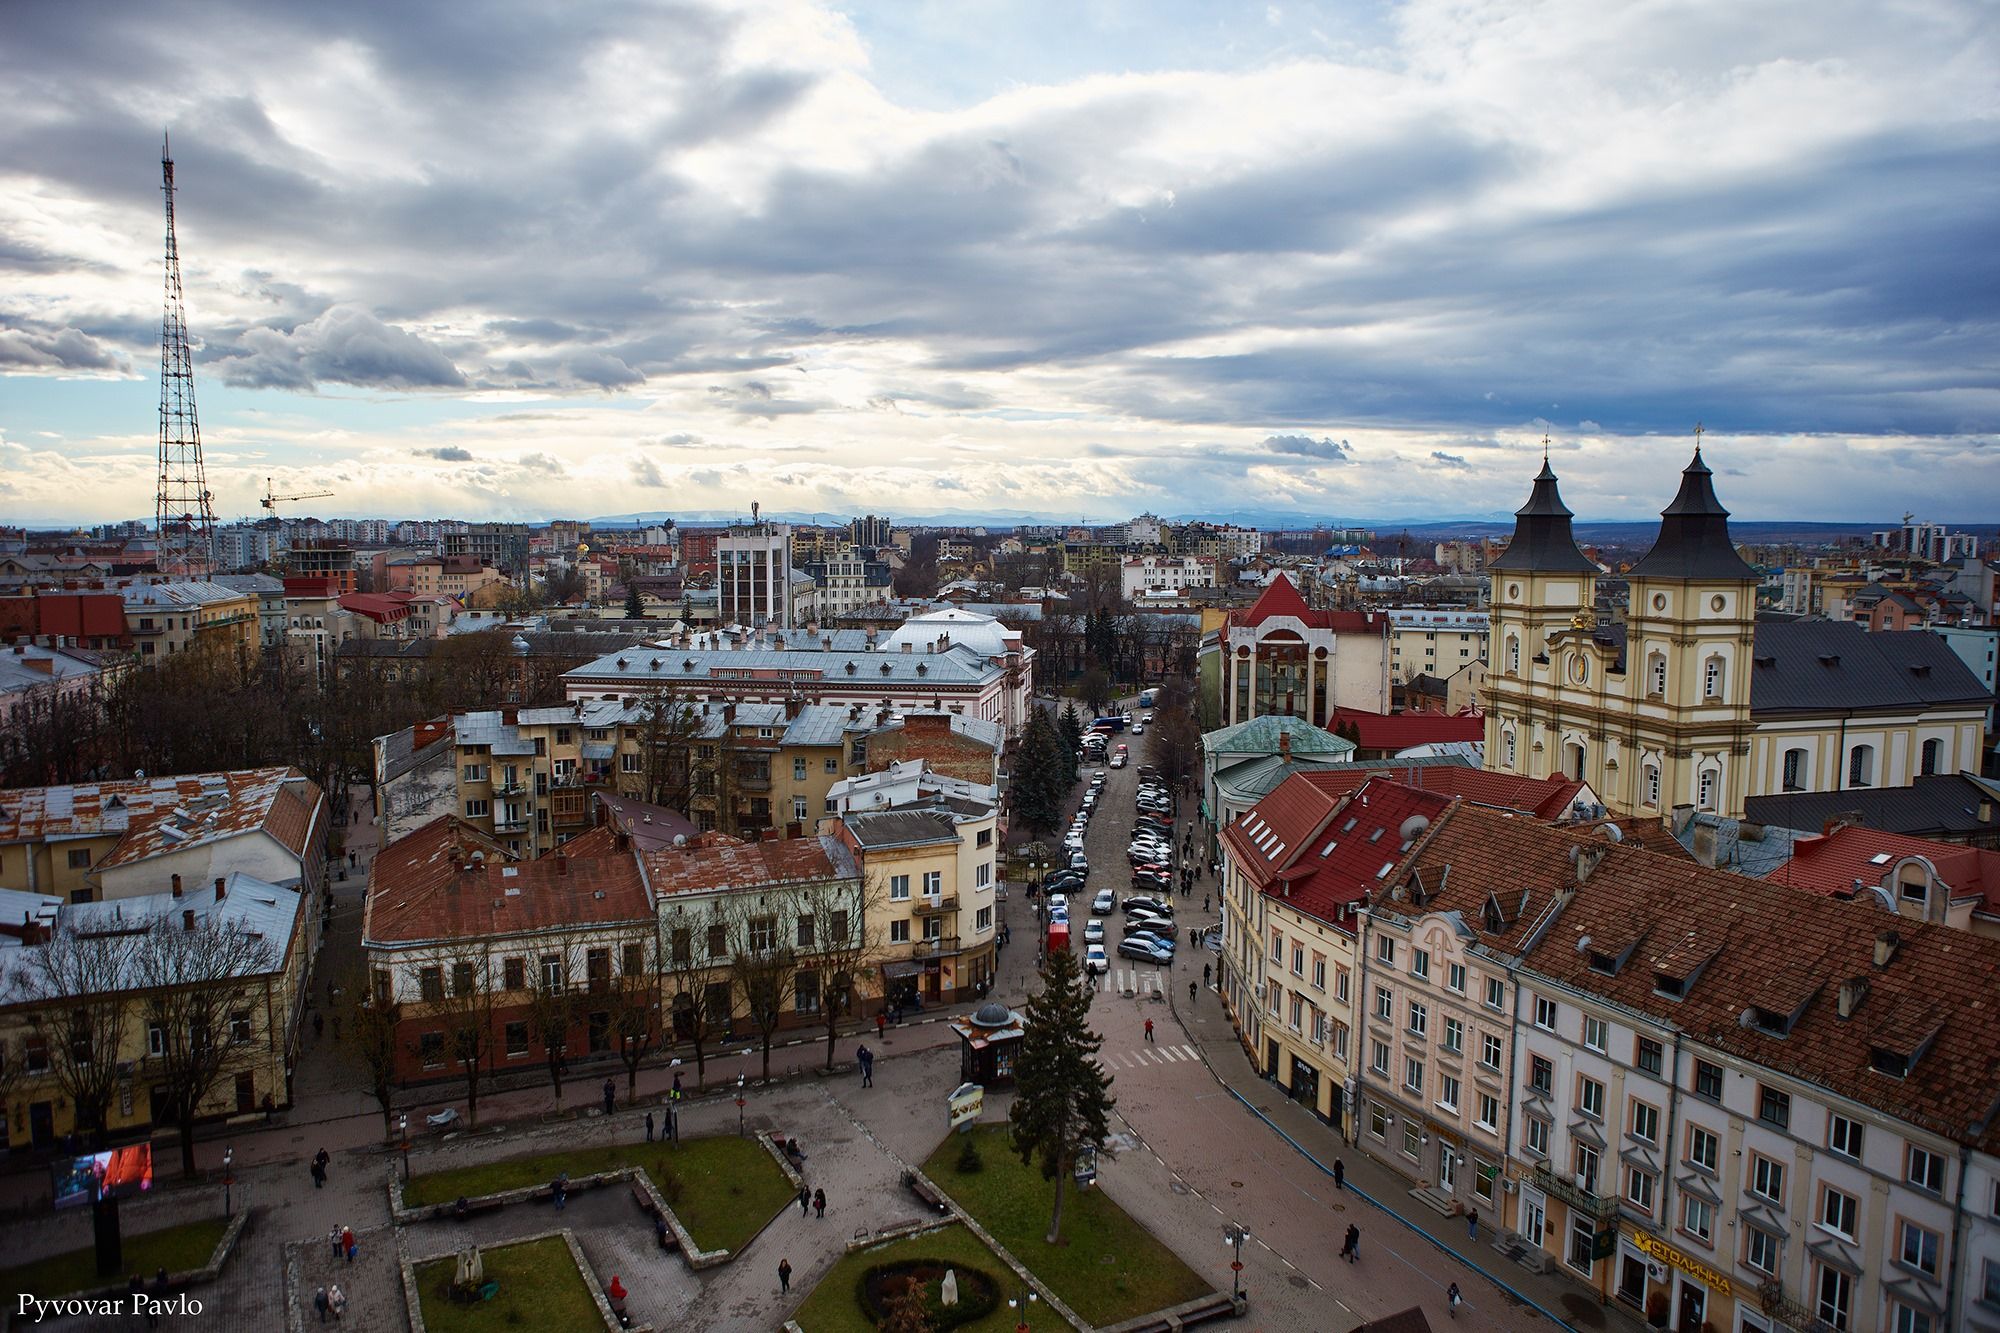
[1545, 446]
[1697, 436]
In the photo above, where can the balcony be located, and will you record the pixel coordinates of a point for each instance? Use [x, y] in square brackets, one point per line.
[508, 786]
[941, 947]
[1575, 1195]
[753, 781]
[1773, 1300]
[510, 824]
[937, 906]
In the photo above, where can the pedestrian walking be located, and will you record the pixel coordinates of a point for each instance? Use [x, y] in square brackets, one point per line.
[353, 860]
[1149, 1031]
[881, 1026]
[819, 1203]
[677, 1086]
[805, 1201]
[610, 1096]
[784, 1276]
[1452, 1298]
[866, 1059]
[1471, 1225]
[559, 1190]
[649, 1126]
[1353, 1243]
[1204, 974]
[1193, 989]
[320, 1303]
[1339, 1174]
[1204, 902]
[320, 1159]
[347, 1244]
[333, 1242]
[336, 1300]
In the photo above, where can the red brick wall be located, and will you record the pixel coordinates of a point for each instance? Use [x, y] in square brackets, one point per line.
[932, 739]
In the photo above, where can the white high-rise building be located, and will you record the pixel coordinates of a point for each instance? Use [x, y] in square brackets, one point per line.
[753, 570]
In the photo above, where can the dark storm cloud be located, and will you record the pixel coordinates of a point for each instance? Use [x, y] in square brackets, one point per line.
[1304, 446]
[346, 344]
[449, 453]
[1443, 459]
[44, 349]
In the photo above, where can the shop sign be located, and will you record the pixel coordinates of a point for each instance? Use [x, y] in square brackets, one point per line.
[1654, 1248]
[965, 1103]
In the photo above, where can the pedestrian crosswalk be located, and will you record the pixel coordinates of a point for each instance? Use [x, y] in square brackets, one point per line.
[1146, 1056]
[1122, 979]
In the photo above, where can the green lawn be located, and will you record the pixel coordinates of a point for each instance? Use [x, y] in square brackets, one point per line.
[832, 1307]
[1108, 1268]
[728, 1187]
[539, 1288]
[189, 1245]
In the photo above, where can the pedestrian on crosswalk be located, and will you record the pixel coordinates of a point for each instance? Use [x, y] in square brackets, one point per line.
[1149, 1031]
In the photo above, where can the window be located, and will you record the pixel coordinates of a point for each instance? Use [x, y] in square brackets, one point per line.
[805, 932]
[1844, 1136]
[1319, 971]
[1490, 1051]
[1909, 1320]
[1340, 975]
[805, 992]
[1774, 1108]
[1711, 678]
[1511, 755]
[1489, 1112]
[800, 808]
[1277, 998]
[1990, 1281]
[1513, 657]
[933, 883]
[984, 838]
[1496, 993]
[1702, 1148]
[1277, 948]
[1545, 1013]
[1484, 1176]
[1656, 673]
[982, 875]
[1650, 1056]
[1298, 960]
[1593, 1033]
[239, 1027]
[1925, 1170]
[1835, 1296]
[1541, 1075]
[899, 932]
[798, 770]
[1933, 753]
[633, 962]
[430, 983]
[430, 1049]
[1447, 1092]
[1385, 950]
[983, 919]
[1413, 1075]
[1582, 1237]
[1586, 1168]
[156, 1040]
[718, 941]
[1861, 768]
[1538, 1136]
[1761, 1250]
[1639, 1189]
[1590, 1097]
[1454, 1036]
[1767, 1179]
[899, 888]
[554, 974]
[477, 809]
[1378, 1058]
[1454, 978]
[1919, 1247]
[833, 765]
[1420, 963]
[1708, 1080]
[1795, 770]
[1385, 1002]
[517, 1041]
[1837, 1211]
[1645, 1122]
[1378, 1122]
[475, 773]
[1420, 1019]
[1697, 1218]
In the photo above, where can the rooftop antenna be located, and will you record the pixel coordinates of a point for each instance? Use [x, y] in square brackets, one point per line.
[183, 509]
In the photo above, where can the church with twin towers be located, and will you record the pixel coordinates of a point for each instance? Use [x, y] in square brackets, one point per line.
[1690, 700]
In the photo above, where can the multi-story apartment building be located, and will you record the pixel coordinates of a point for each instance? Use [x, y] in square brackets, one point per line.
[329, 561]
[1426, 642]
[1144, 574]
[1690, 700]
[753, 574]
[270, 594]
[501, 545]
[1722, 1101]
[1224, 542]
[846, 579]
[931, 875]
[165, 619]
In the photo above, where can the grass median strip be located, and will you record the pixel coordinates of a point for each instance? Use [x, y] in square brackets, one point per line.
[176, 1248]
[723, 1189]
[539, 1287]
[1107, 1268]
[835, 1306]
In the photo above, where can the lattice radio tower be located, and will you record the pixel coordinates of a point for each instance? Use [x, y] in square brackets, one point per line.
[184, 512]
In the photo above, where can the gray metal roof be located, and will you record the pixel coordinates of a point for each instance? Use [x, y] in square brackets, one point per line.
[900, 828]
[1822, 666]
[1935, 807]
[955, 666]
[1767, 849]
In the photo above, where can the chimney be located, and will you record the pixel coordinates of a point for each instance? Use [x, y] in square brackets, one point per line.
[622, 841]
[177, 886]
[1852, 993]
[793, 707]
[1704, 843]
[1285, 746]
[187, 919]
[1886, 945]
[221, 888]
[729, 712]
[1587, 861]
[562, 862]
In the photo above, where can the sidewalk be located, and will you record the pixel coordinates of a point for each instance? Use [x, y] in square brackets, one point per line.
[1568, 1304]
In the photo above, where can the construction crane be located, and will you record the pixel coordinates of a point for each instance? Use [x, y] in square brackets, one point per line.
[271, 499]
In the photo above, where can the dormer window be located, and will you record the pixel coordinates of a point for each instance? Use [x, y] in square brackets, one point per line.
[1672, 987]
[1768, 1021]
[1888, 1062]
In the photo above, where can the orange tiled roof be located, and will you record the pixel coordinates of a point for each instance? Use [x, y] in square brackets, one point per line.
[706, 864]
[152, 816]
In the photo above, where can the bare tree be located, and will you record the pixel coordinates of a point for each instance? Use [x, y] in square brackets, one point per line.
[199, 979]
[553, 1003]
[635, 1023]
[77, 984]
[763, 963]
[668, 730]
[697, 952]
[834, 947]
[461, 999]
[368, 1018]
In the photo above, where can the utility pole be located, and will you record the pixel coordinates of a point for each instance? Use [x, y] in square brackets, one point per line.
[184, 511]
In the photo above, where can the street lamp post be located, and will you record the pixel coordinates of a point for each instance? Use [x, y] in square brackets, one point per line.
[403, 1134]
[1234, 1236]
[228, 1177]
[1020, 1305]
[739, 1105]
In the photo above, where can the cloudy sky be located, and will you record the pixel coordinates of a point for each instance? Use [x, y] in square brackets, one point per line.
[1073, 257]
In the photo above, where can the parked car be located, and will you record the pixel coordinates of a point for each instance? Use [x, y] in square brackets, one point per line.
[1145, 902]
[1150, 922]
[1104, 904]
[1093, 932]
[1163, 938]
[1146, 950]
[1094, 960]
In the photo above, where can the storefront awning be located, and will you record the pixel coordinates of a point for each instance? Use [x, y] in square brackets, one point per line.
[898, 970]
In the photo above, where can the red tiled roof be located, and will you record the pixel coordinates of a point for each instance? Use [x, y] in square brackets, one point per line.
[730, 864]
[426, 886]
[1745, 942]
[1400, 731]
[1833, 864]
[377, 606]
[1280, 598]
[1322, 852]
[157, 815]
[1544, 798]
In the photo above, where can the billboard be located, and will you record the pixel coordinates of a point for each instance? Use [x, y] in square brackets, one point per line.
[116, 1174]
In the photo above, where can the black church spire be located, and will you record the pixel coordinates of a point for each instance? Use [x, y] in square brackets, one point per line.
[1542, 543]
